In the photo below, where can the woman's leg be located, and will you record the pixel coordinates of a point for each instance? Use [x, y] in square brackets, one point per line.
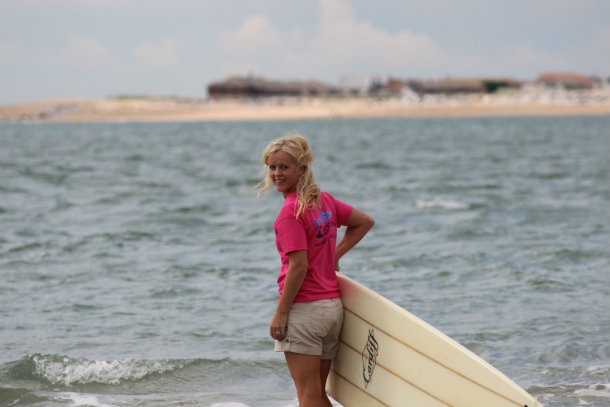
[324, 371]
[307, 371]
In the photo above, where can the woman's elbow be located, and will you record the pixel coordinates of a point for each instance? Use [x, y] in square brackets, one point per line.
[366, 223]
[359, 219]
[369, 222]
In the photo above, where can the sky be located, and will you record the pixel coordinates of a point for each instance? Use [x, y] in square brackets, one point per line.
[100, 48]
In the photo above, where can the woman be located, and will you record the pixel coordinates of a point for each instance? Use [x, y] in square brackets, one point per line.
[309, 313]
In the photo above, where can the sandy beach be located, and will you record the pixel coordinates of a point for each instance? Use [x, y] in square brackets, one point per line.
[175, 109]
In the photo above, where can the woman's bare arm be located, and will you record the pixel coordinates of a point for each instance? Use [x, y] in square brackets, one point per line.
[295, 275]
[358, 224]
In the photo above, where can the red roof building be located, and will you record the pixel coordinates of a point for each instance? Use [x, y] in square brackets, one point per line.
[569, 80]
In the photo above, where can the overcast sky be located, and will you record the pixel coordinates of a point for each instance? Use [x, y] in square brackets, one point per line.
[97, 48]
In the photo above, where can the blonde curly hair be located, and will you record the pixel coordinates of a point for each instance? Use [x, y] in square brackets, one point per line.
[295, 145]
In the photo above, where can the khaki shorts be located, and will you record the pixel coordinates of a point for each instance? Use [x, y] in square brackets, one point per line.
[313, 328]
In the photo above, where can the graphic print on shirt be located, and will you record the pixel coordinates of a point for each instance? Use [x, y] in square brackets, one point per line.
[323, 230]
[324, 223]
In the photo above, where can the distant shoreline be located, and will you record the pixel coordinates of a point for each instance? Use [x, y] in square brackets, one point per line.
[178, 109]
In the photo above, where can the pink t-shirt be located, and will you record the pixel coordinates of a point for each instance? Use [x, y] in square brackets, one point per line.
[315, 231]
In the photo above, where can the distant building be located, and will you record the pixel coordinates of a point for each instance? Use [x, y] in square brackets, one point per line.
[407, 90]
[417, 86]
[567, 80]
[455, 85]
[360, 84]
[396, 86]
[252, 87]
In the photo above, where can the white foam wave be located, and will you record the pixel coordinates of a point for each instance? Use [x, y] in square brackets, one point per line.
[439, 204]
[79, 399]
[68, 371]
[593, 392]
[598, 369]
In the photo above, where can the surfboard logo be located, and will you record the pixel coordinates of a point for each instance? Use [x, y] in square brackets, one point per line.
[369, 358]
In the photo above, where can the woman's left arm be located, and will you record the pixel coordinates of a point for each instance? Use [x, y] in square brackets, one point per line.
[358, 224]
[297, 270]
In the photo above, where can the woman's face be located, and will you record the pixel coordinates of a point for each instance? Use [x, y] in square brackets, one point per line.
[284, 172]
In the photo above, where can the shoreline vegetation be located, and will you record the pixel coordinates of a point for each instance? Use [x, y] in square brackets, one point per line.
[167, 109]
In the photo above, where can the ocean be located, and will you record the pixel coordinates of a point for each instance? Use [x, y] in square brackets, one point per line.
[137, 269]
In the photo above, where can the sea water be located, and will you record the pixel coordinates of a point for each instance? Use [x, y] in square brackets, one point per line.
[136, 269]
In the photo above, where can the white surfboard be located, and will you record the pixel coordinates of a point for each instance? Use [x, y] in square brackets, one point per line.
[389, 357]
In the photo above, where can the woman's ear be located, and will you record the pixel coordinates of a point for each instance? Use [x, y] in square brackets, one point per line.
[302, 169]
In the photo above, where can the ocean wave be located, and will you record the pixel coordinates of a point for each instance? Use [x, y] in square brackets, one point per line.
[594, 392]
[55, 380]
[68, 371]
[573, 395]
[60, 370]
[80, 399]
[439, 204]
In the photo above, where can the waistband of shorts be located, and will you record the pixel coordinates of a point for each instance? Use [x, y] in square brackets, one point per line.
[332, 297]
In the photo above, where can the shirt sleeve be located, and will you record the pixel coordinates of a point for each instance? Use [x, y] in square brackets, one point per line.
[291, 235]
[343, 212]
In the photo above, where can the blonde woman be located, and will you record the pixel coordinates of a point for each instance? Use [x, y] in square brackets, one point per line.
[309, 313]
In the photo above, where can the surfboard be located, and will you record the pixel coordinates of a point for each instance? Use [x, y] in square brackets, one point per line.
[389, 357]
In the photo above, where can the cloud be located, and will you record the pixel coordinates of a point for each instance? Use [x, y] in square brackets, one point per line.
[258, 47]
[159, 57]
[254, 36]
[339, 44]
[342, 40]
